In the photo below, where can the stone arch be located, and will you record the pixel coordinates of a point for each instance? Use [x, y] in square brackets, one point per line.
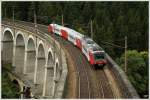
[31, 43]
[9, 32]
[7, 46]
[40, 65]
[50, 60]
[20, 39]
[41, 50]
[50, 74]
[30, 57]
[51, 51]
[20, 52]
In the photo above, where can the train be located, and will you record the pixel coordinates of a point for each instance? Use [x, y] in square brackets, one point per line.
[92, 51]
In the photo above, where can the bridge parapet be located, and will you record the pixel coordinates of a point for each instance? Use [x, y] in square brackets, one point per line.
[125, 84]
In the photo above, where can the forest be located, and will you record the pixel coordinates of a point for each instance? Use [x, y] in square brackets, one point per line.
[112, 21]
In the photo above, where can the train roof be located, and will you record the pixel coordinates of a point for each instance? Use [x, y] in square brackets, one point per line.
[96, 49]
[77, 34]
[60, 27]
[92, 45]
[89, 41]
[70, 31]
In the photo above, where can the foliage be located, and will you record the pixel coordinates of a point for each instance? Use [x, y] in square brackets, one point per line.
[8, 66]
[137, 70]
[112, 21]
[9, 89]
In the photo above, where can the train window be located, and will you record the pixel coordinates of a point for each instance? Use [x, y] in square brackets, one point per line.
[56, 29]
[71, 37]
[96, 49]
[99, 56]
[90, 42]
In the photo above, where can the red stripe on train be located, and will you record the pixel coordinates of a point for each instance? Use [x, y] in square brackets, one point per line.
[91, 58]
[78, 43]
[64, 34]
[50, 29]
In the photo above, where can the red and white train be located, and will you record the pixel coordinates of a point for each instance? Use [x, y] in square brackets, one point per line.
[93, 52]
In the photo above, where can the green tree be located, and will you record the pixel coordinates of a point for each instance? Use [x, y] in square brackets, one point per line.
[9, 89]
[137, 70]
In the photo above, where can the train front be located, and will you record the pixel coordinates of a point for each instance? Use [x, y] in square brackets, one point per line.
[99, 59]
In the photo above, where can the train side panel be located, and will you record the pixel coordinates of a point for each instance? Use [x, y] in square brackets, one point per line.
[85, 52]
[71, 38]
[91, 58]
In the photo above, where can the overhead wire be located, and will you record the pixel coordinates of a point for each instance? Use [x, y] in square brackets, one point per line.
[112, 44]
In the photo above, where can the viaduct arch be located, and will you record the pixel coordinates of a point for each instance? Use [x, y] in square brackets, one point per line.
[32, 58]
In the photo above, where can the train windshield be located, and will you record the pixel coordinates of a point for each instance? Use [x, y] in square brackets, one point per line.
[98, 56]
[90, 42]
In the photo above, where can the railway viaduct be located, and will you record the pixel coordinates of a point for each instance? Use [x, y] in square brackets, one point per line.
[38, 62]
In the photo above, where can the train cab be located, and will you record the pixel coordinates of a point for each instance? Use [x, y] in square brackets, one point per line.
[98, 58]
[94, 53]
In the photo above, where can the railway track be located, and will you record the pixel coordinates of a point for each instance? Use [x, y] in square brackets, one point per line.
[84, 90]
[98, 84]
[91, 83]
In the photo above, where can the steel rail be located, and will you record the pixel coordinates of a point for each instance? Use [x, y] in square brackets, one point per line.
[84, 78]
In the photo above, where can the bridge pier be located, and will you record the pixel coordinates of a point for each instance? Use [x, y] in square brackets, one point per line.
[13, 58]
[7, 53]
[48, 88]
[45, 79]
[54, 87]
[25, 62]
[19, 59]
[35, 72]
[29, 61]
